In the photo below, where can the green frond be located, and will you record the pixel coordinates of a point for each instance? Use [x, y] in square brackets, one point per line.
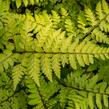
[34, 69]
[26, 3]
[95, 21]
[46, 66]
[52, 58]
[56, 64]
[104, 26]
[40, 37]
[64, 12]
[17, 73]
[100, 36]
[70, 28]
[17, 100]
[90, 17]
[81, 23]
[86, 51]
[91, 100]
[93, 95]
[34, 97]
[56, 19]
[72, 61]
[99, 11]
[18, 3]
[6, 62]
[105, 7]
[64, 48]
[4, 5]
[40, 97]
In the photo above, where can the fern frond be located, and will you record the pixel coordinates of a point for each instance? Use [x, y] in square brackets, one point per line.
[84, 92]
[55, 48]
[39, 35]
[30, 2]
[39, 46]
[46, 66]
[104, 26]
[56, 19]
[99, 11]
[6, 62]
[64, 48]
[56, 65]
[4, 5]
[50, 43]
[86, 51]
[95, 20]
[100, 36]
[82, 23]
[34, 97]
[9, 99]
[70, 28]
[34, 69]
[25, 3]
[17, 73]
[40, 97]
[64, 13]
[91, 100]
[105, 7]
[18, 3]
[90, 17]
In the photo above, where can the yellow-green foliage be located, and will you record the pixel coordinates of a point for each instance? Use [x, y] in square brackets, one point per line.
[26, 3]
[35, 47]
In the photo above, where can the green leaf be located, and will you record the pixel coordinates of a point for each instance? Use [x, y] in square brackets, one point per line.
[18, 3]
[56, 65]
[105, 7]
[72, 61]
[91, 100]
[98, 101]
[105, 100]
[32, 2]
[46, 66]
[17, 73]
[34, 69]
[92, 67]
[25, 2]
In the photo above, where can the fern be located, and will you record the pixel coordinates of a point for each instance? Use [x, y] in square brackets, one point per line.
[36, 47]
[98, 24]
[71, 93]
[93, 96]
[34, 69]
[40, 97]
[18, 70]
[26, 3]
[8, 97]
[48, 41]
